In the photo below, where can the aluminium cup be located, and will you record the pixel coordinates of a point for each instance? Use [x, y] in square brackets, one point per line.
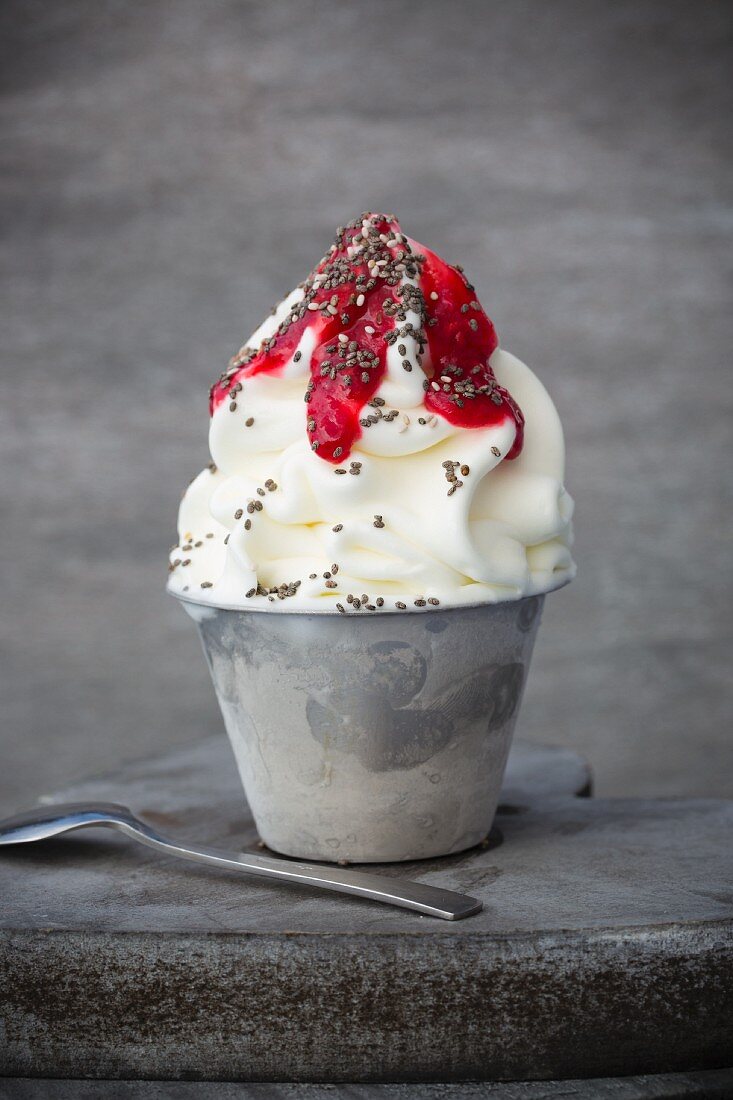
[371, 737]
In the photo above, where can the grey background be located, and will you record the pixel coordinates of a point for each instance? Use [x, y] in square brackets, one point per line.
[172, 169]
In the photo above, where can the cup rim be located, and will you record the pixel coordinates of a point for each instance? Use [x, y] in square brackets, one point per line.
[332, 613]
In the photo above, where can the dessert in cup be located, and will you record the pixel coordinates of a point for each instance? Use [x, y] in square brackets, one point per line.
[367, 555]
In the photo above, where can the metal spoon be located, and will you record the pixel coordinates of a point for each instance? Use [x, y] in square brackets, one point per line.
[48, 821]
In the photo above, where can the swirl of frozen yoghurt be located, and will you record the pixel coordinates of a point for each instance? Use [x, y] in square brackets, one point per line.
[375, 449]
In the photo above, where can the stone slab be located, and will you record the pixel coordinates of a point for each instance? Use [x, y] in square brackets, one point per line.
[605, 947]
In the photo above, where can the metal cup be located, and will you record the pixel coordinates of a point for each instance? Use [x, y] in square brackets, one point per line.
[371, 737]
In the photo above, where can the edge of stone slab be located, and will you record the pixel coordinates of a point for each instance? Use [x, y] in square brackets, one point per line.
[222, 1007]
[711, 1084]
[601, 933]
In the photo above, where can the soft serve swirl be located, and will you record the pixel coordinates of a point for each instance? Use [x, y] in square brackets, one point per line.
[374, 449]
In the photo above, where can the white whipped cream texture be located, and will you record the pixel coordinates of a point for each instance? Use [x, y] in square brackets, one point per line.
[269, 512]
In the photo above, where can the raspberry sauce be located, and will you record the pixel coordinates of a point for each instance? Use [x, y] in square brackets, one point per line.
[356, 302]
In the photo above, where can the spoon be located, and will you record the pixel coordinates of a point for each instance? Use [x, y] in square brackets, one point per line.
[48, 821]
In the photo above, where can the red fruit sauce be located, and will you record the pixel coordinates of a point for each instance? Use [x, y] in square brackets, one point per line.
[345, 296]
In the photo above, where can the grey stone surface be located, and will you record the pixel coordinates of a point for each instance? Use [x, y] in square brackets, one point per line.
[169, 170]
[591, 864]
[705, 1085]
[605, 946]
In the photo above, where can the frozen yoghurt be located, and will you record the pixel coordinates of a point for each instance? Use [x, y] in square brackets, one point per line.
[374, 449]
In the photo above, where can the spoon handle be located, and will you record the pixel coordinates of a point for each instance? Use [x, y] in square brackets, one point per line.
[55, 820]
[433, 901]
